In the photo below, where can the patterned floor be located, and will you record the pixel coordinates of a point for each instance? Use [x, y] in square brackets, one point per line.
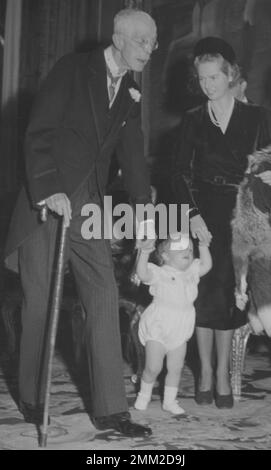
[246, 426]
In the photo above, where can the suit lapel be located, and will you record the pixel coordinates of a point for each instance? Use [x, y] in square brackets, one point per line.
[124, 102]
[97, 86]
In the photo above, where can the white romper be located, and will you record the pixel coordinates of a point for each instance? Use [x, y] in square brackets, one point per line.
[170, 318]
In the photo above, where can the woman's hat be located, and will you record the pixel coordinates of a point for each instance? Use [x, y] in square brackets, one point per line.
[215, 45]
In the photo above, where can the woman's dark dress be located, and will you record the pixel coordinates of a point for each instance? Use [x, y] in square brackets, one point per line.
[213, 164]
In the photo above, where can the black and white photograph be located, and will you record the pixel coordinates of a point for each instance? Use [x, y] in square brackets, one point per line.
[135, 230]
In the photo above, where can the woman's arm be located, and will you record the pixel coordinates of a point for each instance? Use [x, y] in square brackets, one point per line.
[182, 176]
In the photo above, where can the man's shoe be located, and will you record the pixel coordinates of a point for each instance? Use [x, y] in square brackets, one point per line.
[122, 423]
[32, 414]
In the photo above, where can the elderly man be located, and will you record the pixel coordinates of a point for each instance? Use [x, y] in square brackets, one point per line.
[88, 108]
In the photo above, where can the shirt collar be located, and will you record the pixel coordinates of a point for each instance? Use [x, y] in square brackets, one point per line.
[111, 63]
[171, 269]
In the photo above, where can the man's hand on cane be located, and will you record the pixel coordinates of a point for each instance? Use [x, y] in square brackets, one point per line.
[61, 205]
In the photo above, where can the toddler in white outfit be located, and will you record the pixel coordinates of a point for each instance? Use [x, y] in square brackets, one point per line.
[168, 323]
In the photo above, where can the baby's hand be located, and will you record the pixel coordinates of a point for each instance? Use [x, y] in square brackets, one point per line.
[179, 241]
[206, 242]
[147, 246]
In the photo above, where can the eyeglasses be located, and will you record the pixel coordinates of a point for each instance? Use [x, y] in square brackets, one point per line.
[143, 43]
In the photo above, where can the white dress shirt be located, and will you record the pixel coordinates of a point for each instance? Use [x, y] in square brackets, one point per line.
[113, 67]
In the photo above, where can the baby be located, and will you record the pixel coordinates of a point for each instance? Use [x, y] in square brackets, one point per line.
[168, 323]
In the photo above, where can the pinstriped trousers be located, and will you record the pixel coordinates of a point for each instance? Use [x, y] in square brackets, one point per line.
[92, 266]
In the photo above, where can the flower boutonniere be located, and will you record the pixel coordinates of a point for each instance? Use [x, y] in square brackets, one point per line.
[135, 94]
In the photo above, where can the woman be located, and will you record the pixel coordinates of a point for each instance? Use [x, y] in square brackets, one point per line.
[215, 140]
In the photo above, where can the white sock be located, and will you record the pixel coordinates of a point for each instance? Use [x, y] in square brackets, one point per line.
[170, 402]
[144, 396]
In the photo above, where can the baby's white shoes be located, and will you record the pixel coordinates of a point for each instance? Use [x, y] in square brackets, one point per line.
[144, 396]
[170, 402]
[142, 402]
[173, 407]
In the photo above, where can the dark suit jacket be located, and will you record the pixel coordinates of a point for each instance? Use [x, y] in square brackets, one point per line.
[69, 138]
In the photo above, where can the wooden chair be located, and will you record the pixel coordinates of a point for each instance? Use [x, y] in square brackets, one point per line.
[239, 344]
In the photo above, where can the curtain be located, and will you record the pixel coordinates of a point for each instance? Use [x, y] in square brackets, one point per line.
[50, 29]
[9, 105]
[143, 79]
[37, 33]
[66, 25]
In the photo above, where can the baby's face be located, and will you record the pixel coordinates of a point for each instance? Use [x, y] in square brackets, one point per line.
[180, 259]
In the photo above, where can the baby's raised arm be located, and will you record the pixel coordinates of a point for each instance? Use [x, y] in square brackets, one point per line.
[142, 270]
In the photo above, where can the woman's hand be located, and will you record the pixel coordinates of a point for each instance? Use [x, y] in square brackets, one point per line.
[265, 176]
[199, 230]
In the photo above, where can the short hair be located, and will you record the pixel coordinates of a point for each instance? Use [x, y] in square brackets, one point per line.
[122, 18]
[226, 66]
[241, 78]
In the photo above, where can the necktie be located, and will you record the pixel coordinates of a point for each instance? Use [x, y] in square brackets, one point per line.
[112, 85]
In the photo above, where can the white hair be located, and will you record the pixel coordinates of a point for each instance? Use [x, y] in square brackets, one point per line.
[123, 17]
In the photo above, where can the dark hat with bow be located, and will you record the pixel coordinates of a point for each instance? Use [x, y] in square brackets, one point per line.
[215, 45]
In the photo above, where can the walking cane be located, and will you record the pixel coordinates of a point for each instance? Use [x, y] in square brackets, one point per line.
[54, 315]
